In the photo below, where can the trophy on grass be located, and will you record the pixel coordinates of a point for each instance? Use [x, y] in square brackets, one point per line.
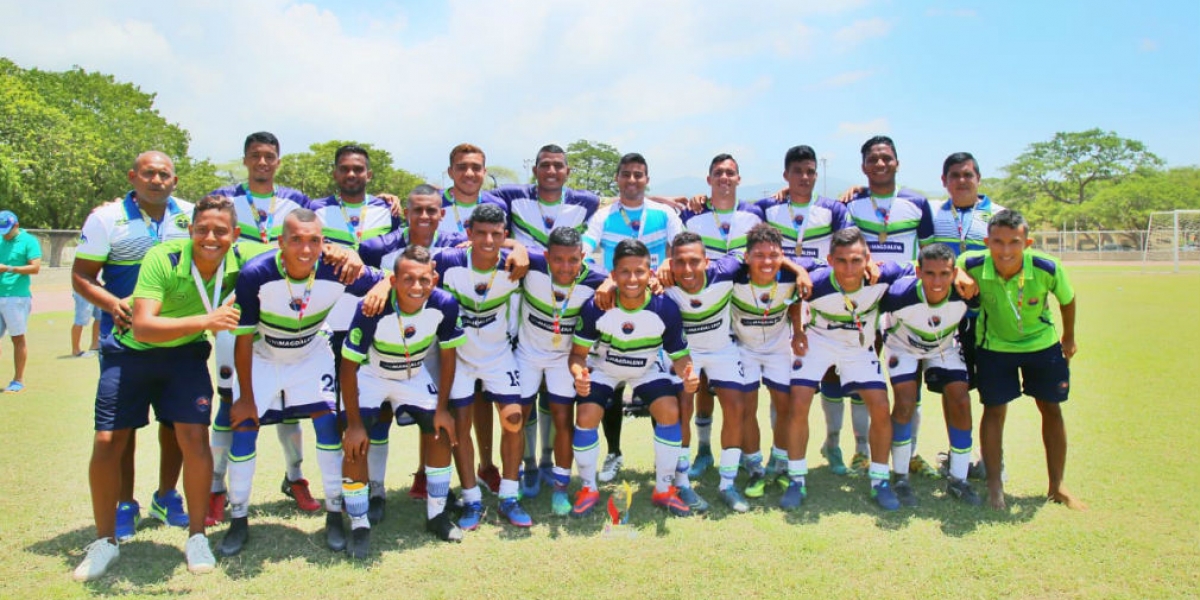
[618, 512]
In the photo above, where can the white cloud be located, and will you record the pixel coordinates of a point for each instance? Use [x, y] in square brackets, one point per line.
[864, 128]
[844, 79]
[858, 31]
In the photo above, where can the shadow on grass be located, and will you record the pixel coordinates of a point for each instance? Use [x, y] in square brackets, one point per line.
[143, 563]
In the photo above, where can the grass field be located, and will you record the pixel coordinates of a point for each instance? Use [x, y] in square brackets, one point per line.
[1132, 421]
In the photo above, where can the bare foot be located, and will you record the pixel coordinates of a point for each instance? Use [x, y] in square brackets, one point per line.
[996, 496]
[1062, 496]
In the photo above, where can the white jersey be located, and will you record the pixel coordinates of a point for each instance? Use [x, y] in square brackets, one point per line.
[484, 302]
[811, 225]
[285, 315]
[706, 318]
[394, 345]
[894, 226]
[760, 312]
[918, 328]
[549, 311]
[629, 340]
[849, 319]
[261, 217]
[723, 231]
[531, 220]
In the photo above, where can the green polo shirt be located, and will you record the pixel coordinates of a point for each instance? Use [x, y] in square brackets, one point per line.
[166, 276]
[999, 328]
[17, 252]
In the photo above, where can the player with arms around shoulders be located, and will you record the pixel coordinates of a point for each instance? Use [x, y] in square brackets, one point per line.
[630, 336]
[925, 312]
[1018, 347]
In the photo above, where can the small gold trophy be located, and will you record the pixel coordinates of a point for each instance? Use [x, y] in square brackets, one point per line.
[618, 511]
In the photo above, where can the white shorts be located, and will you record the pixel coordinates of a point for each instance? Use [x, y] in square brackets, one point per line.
[939, 368]
[14, 315]
[767, 365]
[857, 367]
[534, 368]
[723, 367]
[374, 391]
[500, 376]
[293, 390]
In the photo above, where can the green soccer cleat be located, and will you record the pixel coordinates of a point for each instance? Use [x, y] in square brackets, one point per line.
[837, 465]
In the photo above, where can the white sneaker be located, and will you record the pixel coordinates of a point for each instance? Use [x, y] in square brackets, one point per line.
[100, 554]
[612, 464]
[199, 555]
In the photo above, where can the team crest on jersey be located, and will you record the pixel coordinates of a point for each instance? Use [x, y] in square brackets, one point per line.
[635, 225]
[181, 221]
[765, 298]
[893, 362]
[627, 327]
[296, 304]
[725, 228]
[559, 296]
[799, 220]
[262, 214]
[409, 331]
[796, 364]
[695, 302]
[203, 404]
[1033, 301]
[549, 221]
[354, 221]
[935, 321]
[481, 289]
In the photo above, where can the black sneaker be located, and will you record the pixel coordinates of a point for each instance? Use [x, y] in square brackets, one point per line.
[904, 492]
[962, 490]
[335, 531]
[444, 528]
[376, 509]
[360, 543]
[235, 538]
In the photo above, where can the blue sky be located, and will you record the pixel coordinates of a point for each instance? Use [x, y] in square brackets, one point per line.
[678, 81]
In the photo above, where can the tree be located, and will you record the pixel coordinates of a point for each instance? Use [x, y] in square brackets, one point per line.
[1127, 205]
[593, 167]
[198, 178]
[312, 172]
[1071, 167]
[500, 176]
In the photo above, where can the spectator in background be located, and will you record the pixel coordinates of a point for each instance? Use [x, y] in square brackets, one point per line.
[84, 312]
[20, 257]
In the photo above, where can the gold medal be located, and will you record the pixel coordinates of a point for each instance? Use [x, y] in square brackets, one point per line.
[556, 339]
[883, 236]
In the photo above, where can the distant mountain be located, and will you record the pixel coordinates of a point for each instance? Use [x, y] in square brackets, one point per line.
[689, 186]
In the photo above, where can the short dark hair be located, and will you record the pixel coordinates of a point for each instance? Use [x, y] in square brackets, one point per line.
[797, 154]
[549, 149]
[846, 236]
[684, 238]
[959, 158]
[630, 247]
[351, 149]
[465, 148]
[720, 158]
[219, 203]
[937, 251]
[302, 215]
[633, 158]
[424, 189]
[763, 233]
[261, 137]
[1009, 218]
[567, 237]
[487, 213]
[875, 141]
[416, 253]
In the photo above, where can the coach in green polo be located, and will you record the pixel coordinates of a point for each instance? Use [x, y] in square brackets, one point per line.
[20, 257]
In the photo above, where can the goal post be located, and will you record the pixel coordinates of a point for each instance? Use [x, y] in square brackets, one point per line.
[1172, 236]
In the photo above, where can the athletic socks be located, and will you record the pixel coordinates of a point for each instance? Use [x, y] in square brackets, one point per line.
[291, 439]
[469, 494]
[835, 418]
[562, 478]
[329, 459]
[878, 472]
[753, 462]
[242, 459]
[704, 431]
[779, 459]
[916, 422]
[860, 419]
[960, 453]
[797, 470]
[219, 441]
[356, 501]
[681, 470]
[508, 489]
[531, 434]
[730, 457]
[438, 487]
[586, 443]
[668, 443]
[902, 448]
[377, 455]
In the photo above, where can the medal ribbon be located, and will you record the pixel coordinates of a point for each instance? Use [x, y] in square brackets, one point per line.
[217, 285]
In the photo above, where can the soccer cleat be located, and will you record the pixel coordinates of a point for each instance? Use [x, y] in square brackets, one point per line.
[418, 491]
[904, 492]
[235, 538]
[962, 490]
[489, 478]
[216, 509]
[612, 464]
[129, 514]
[586, 500]
[444, 528]
[100, 555]
[860, 463]
[793, 496]
[360, 543]
[200, 559]
[335, 531]
[670, 500]
[546, 473]
[918, 466]
[734, 500]
[169, 509]
[298, 491]
[704, 461]
[472, 514]
[693, 500]
[884, 496]
[376, 509]
[560, 503]
[510, 508]
[837, 465]
[531, 483]
[756, 485]
[777, 472]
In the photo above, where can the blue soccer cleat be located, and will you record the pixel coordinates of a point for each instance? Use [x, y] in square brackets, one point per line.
[793, 496]
[129, 514]
[511, 509]
[169, 509]
[472, 514]
[885, 496]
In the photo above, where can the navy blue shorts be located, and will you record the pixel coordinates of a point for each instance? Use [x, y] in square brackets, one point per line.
[1000, 375]
[643, 395]
[175, 381]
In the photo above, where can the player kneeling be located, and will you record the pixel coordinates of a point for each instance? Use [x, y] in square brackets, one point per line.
[630, 336]
[391, 349]
[925, 313]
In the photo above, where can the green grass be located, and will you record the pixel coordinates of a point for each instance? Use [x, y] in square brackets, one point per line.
[1131, 422]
